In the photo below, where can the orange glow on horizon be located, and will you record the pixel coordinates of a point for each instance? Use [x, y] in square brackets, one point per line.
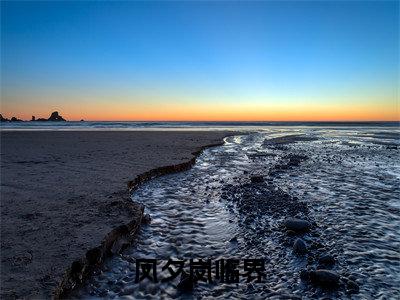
[192, 112]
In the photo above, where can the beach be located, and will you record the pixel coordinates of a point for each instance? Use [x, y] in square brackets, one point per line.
[199, 150]
[62, 192]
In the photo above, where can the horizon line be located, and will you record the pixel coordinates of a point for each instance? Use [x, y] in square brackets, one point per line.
[224, 121]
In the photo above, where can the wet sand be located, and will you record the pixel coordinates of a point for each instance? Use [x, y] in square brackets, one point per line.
[62, 192]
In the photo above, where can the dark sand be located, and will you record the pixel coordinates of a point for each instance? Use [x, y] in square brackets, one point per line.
[56, 190]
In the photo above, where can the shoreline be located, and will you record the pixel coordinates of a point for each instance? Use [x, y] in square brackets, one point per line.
[35, 281]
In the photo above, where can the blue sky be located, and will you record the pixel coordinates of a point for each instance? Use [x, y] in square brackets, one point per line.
[198, 53]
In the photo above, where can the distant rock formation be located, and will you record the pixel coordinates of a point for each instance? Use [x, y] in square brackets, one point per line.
[15, 119]
[55, 117]
[3, 119]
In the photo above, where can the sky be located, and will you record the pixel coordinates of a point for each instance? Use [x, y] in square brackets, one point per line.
[195, 61]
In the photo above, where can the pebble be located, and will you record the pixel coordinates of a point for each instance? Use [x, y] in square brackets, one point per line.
[297, 225]
[325, 278]
[299, 246]
[256, 179]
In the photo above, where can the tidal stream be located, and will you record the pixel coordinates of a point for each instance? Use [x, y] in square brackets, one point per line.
[343, 181]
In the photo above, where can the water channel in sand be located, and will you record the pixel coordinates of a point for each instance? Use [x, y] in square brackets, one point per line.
[345, 181]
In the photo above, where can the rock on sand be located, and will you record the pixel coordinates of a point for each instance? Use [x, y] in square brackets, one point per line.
[297, 225]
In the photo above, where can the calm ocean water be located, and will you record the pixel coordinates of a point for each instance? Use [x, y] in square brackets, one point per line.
[179, 125]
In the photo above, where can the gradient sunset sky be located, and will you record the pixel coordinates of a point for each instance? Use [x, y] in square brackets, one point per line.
[264, 61]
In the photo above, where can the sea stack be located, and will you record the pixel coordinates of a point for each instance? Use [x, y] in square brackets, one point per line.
[55, 117]
[15, 119]
[3, 119]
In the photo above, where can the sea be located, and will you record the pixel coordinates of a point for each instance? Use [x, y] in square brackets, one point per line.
[129, 125]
